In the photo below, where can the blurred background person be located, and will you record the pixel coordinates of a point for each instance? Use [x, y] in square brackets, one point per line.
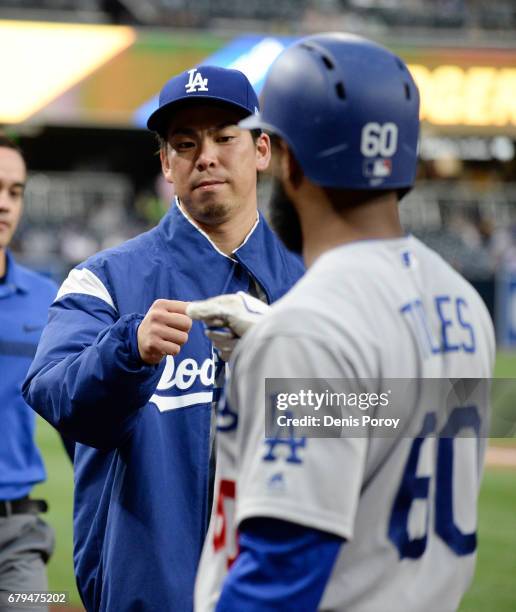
[26, 541]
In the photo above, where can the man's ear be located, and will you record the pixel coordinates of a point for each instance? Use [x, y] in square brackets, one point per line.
[263, 152]
[165, 163]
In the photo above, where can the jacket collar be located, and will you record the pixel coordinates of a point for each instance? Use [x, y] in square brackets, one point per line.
[14, 280]
[199, 260]
[196, 228]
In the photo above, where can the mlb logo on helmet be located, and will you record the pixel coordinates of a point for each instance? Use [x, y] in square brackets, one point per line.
[377, 168]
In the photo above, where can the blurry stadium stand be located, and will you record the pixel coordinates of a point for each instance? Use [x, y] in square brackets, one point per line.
[474, 16]
[72, 215]
[196, 13]
[473, 228]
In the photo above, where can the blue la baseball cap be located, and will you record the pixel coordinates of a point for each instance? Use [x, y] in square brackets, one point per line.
[204, 83]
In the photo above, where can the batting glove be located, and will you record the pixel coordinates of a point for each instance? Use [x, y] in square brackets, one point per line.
[227, 318]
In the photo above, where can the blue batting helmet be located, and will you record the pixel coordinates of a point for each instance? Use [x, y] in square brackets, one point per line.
[349, 110]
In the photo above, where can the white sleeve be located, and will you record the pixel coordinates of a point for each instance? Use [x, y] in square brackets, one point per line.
[315, 482]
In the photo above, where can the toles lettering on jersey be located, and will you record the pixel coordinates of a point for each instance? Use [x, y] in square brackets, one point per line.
[406, 505]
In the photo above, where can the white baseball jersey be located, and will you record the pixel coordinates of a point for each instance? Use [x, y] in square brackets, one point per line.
[406, 505]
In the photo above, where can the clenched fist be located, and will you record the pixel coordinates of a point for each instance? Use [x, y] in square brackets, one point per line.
[163, 331]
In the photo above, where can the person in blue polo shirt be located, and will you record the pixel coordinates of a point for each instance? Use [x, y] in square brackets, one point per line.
[26, 541]
[121, 369]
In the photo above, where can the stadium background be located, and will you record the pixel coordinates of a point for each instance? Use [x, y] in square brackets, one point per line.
[78, 79]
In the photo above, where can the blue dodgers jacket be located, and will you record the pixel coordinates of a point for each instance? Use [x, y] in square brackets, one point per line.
[142, 465]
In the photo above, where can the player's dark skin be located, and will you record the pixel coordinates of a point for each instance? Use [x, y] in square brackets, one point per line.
[322, 227]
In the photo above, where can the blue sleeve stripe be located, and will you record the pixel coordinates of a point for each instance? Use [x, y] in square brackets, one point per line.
[280, 566]
[87, 305]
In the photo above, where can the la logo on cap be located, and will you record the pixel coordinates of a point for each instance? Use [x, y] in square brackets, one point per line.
[196, 82]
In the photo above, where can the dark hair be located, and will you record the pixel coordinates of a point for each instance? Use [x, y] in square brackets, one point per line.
[9, 143]
[162, 142]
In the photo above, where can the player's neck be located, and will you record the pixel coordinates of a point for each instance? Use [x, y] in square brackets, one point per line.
[324, 229]
[230, 234]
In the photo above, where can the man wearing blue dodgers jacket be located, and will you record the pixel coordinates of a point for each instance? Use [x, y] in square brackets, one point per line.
[112, 377]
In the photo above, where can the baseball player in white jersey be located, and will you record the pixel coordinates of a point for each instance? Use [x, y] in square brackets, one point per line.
[356, 523]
